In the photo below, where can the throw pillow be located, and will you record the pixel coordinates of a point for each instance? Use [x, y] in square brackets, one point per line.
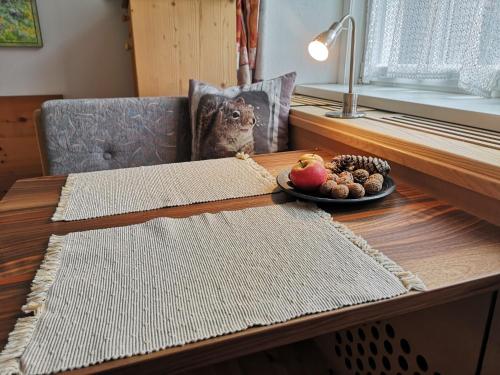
[250, 118]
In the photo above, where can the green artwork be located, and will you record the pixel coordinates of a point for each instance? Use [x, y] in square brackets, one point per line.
[19, 25]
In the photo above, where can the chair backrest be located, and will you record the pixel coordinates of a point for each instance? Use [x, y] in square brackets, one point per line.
[40, 137]
[82, 135]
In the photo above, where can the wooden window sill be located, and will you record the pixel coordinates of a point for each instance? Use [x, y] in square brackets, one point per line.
[473, 168]
[458, 108]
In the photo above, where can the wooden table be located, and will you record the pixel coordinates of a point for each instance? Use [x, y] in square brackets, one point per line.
[457, 255]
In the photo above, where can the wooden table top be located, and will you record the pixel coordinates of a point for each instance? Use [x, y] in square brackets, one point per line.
[457, 255]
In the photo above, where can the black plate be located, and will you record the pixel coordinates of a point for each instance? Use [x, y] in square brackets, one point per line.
[284, 183]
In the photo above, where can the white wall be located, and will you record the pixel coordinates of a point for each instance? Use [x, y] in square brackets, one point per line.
[82, 56]
[287, 27]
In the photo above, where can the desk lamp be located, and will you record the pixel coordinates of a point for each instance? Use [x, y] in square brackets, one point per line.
[318, 49]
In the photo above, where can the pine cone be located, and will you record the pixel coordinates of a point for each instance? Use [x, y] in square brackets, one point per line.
[369, 163]
[345, 178]
[360, 175]
[334, 167]
[343, 162]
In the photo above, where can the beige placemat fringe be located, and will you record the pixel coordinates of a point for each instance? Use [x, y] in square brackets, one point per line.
[259, 169]
[11, 358]
[35, 304]
[64, 198]
[408, 279]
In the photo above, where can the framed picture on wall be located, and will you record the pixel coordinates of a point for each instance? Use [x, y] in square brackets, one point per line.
[19, 25]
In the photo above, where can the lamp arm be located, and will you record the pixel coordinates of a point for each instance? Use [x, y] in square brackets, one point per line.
[353, 41]
[350, 100]
[353, 45]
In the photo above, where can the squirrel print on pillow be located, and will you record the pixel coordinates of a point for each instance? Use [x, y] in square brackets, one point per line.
[226, 126]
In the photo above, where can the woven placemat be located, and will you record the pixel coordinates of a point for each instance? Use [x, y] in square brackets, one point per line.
[113, 293]
[104, 193]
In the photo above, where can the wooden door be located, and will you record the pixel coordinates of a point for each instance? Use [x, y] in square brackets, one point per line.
[176, 40]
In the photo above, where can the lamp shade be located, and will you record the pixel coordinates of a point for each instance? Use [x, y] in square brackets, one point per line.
[318, 48]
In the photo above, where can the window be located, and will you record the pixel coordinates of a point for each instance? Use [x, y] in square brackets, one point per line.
[452, 44]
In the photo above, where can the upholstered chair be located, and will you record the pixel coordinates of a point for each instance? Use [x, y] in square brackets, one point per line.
[82, 135]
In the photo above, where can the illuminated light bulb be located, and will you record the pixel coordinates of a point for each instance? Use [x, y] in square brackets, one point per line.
[318, 50]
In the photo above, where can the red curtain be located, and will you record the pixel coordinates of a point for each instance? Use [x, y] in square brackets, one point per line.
[247, 37]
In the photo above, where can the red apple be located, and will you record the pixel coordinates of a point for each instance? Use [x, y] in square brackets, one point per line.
[311, 156]
[308, 174]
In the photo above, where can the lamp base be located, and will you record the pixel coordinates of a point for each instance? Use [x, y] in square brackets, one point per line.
[340, 114]
[349, 107]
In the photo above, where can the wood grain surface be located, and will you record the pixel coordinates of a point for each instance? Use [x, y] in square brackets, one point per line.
[302, 358]
[456, 254]
[19, 156]
[491, 360]
[470, 201]
[464, 164]
[175, 41]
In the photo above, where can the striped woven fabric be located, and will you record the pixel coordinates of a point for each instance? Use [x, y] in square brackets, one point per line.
[112, 293]
[103, 193]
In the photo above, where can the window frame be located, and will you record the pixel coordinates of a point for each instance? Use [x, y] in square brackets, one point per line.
[359, 9]
[448, 99]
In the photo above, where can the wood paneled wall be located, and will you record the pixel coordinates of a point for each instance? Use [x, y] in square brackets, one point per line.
[19, 156]
[176, 40]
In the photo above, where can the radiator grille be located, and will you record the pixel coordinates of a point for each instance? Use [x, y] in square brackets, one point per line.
[469, 134]
[378, 349]
[304, 100]
[331, 105]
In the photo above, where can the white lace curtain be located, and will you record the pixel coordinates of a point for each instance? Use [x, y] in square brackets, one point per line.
[455, 40]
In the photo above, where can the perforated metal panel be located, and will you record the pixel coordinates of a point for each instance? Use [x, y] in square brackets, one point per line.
[379, 349]
[437, 341]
